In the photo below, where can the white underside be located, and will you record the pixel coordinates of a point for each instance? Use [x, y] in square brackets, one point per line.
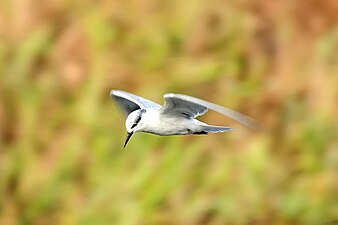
[172, 125]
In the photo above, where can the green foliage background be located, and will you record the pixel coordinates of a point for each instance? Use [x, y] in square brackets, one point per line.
[61, 155]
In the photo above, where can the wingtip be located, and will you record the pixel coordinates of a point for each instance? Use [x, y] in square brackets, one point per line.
[115, 93]
[258, 127]
[168, 95]
[112, 91]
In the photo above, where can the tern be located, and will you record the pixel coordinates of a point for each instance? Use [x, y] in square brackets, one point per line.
[176, 117]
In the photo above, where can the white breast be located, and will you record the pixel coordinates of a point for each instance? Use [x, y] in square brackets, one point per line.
[163, 125]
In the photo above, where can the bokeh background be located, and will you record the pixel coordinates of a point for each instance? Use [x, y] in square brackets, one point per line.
[61, 155]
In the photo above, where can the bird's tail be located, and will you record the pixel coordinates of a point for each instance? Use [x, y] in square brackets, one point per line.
[213, 129]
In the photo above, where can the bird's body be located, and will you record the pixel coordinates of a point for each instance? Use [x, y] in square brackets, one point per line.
[175, 117]
[169, 125]
[164, 125]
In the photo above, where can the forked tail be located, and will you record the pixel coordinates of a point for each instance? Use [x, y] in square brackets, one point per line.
[213, 129]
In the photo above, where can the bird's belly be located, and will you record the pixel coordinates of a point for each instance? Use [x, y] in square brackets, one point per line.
[172, 126]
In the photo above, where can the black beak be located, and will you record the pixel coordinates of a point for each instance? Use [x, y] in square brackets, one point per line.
[127, 138]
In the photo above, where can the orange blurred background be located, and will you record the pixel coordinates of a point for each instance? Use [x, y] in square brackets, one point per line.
[61, 156]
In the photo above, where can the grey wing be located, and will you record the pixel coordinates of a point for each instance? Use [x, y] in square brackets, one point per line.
[129, 102]
[177, 106]
[196, 106]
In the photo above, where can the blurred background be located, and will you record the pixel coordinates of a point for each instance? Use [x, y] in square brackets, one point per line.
[61, 155]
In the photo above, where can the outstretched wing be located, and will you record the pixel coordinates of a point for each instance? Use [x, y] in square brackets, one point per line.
[178, 104]
[181, 105]
[129, 102]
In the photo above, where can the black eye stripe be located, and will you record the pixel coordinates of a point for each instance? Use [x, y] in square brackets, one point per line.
[138, 119]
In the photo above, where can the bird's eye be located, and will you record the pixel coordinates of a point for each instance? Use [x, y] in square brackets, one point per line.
[137, 120]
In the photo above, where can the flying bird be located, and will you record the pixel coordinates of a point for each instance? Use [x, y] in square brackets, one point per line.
[176, 117]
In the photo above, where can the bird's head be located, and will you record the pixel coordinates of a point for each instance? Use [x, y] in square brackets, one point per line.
[133, 123]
